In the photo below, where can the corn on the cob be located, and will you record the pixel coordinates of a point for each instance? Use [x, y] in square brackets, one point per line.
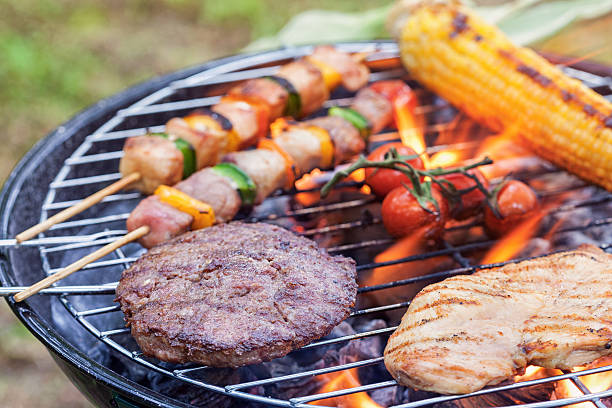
[476, 68]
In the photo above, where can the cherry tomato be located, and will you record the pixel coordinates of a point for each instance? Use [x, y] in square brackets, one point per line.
[382, 181]
[403, 215]
[470, 202]
[516, 202]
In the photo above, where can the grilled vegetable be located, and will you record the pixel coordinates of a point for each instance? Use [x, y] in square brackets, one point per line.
[243, 183]
[403, 215]
[355, 118]
[475, 67]
[188, 152]
[262, 111]
[202, 213]
[294, 103]
[471, 197]
[331, 77]
[515, 202]
[382, 181]
[327, 146]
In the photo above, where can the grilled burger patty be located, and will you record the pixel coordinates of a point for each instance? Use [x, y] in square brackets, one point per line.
[234, 294]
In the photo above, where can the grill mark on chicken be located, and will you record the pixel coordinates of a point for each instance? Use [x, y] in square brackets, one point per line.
[454, 338]
[557, 313]
[449, 301]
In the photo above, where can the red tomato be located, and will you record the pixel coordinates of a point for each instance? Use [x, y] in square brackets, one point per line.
[382, 181]
[470, 202]
[516, 202]
[403, 215]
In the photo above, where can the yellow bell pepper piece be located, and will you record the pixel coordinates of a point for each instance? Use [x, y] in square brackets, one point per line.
[202, 213]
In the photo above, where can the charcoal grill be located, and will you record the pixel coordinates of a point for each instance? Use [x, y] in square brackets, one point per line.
[78, 320]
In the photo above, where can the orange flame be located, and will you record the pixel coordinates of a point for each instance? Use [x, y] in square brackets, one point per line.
[307, 181]
[359, 175]
[411, 245]
[535, 373]
[507, 154]
[445, 158]
[343, 380]
[594, 382]
[513, 242]
[408, 129]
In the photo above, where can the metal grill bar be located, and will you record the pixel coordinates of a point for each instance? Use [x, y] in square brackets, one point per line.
[78, 182]
[59, 205]
[101, 310]
[350, 337]
[170, 106]
[122, 134]
[90, 221]
[326, 370]
[93, 158]
[62, 290]
[347, 391]
[580, 385]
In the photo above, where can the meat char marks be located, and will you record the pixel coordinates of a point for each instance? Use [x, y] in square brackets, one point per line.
[234, 294]
[471, 331]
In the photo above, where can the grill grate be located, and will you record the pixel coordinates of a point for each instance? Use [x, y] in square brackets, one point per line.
[80, 173]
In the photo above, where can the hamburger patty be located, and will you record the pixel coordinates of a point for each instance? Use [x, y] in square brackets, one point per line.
[234, 294]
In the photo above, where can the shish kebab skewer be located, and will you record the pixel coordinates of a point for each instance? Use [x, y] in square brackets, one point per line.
[242, 117]
[210, 195]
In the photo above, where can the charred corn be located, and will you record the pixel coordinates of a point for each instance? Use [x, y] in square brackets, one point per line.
[476, 68]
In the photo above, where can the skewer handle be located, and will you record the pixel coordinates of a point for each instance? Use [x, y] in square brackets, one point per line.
[77, 208]
[105, 250]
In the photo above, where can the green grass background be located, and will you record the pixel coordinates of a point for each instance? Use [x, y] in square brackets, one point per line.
[59, 56]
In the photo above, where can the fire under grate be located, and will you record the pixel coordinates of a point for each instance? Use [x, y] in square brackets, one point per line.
[346, 223]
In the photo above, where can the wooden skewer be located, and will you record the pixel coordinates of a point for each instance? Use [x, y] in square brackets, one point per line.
[77, 208]
[105, 250]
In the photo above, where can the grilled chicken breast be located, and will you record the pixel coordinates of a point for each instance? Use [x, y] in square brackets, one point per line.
[468, 332]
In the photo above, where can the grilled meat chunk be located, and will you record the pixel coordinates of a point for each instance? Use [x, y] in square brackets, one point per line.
[217, 191]
[208, 143]
[302, 146]
[164, 221]
[354, 74]
[467, 332]
[308, 82]
[272, 93]
[265, 167]
[346, 138]
[156, 159]
[234, 294]
[243, 118]
[374, 107]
